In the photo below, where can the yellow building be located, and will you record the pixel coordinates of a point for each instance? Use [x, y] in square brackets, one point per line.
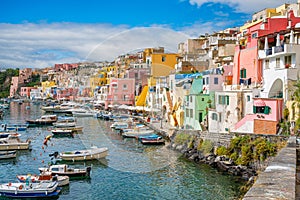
[47, 84]
[98, 80]
[162, 64]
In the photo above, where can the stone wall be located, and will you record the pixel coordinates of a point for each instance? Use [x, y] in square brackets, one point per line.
[278, 181]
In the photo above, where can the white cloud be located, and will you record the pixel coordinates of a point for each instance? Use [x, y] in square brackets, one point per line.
[245, 6]
[43, 45]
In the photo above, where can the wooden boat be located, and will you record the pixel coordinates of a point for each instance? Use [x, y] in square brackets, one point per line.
[83, 155]
[119, 125]
[45, 176]
[30, 190]
[62, 132]
[43, 120]
[16, 127]
[7, 154]
[63, 122]
[13, 143]
[136, 133]
[152, 139]
[9, 134]
[75, 129]
[65, 170]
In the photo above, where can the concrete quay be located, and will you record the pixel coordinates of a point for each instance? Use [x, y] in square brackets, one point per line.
[278, 181]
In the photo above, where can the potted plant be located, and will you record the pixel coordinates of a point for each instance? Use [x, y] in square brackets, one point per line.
[287, 65]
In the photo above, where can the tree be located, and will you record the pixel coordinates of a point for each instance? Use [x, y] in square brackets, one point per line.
[296, 97]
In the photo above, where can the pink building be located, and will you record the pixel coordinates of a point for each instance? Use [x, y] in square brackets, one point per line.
[14, 86]
[65, 67]
[247, 67]
[25, 75]
[140, 76]
[121, 91]
[66, 94]
[25, 91]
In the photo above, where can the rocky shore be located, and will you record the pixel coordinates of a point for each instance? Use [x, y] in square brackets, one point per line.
[220, 162]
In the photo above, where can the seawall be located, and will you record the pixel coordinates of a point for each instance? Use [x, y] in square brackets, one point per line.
[278, 181]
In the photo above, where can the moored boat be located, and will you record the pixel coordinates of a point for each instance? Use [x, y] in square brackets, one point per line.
[43, 120]
[65, 170]
[83, 155]
[152, 139]
[7, 154]
[45, 176]
[62, 132]
[13, 143]
[16, 127]
[136, 133]
[32, 190]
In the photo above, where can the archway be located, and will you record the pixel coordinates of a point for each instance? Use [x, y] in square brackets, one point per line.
[276, 90]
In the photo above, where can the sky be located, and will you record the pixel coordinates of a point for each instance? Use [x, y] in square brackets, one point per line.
[41, 33]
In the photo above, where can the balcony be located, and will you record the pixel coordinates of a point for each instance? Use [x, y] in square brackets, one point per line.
[278, 50]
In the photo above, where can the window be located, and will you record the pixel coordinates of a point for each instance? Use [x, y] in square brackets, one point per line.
[187, 113]
[287, 61]
[191, 99]
[214, 116]
[261, 109]
[136, 75]
[277, 62]
[124, 87]
[207, 80]
[191, 113]
[248, 98]
[243, 73]
[223, 99]
[267, 64]
[163, 59]
[204, 81]
[216, 80]
[254, 35]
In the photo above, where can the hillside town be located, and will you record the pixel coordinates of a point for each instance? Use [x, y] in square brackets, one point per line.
[238, 80]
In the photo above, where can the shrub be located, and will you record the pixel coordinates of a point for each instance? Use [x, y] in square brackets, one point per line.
[221, 151]
[182, 138]
[206, 147]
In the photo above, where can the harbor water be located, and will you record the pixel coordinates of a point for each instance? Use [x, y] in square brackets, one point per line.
[130, 171]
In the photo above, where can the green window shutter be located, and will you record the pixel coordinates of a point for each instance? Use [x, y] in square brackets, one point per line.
[227, 100]
[241, 73]
[244, 74]
[267, 110]
[254, 109]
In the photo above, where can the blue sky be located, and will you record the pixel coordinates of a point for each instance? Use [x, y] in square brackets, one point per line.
[40, 33]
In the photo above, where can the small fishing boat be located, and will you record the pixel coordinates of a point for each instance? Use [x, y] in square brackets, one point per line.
[62, 132]
[13, 143]
[9, 134]
[45, 176]
[119, 125]
[83, 155]
[65, 170]
[16, 127]
[7, 154]
[136, 133]
[30, 190]
[76, 129]
[43, 120]
[152, 139]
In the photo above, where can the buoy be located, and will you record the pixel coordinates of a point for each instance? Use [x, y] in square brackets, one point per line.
[41, 154]
[43, 147]
[33, 158]
[42, 161]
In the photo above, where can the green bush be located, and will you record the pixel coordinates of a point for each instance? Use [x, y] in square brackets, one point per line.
[221, 151]
[182, 138]
[206, 147]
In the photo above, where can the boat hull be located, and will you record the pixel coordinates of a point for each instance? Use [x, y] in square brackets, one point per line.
[85, 155]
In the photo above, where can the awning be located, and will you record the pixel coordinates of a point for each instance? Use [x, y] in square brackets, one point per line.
[259, 103]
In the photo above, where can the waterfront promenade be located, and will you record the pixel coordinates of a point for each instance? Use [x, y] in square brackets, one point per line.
[277, 181]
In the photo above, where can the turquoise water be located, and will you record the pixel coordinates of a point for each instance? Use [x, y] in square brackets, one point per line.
[130, 171]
